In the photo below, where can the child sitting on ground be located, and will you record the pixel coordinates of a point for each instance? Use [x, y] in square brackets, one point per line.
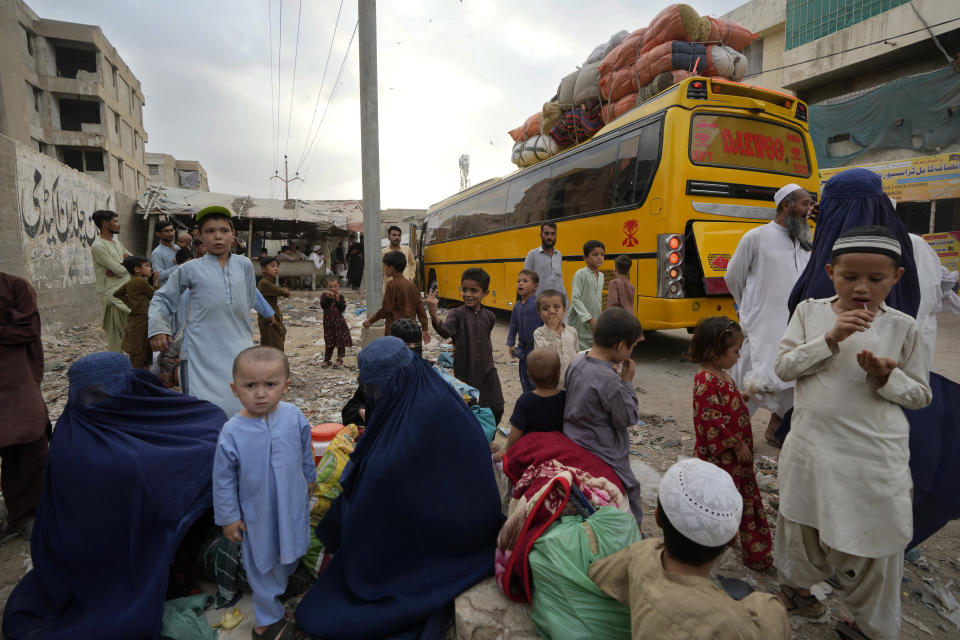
[542, 408]
[845, 483]
[401, 298]
[272, 331]
[523, 320]
[470, 327]
[601, 403]
[136, 293]
[724, 433]
[336, 333]
[586, 297]
[554, 334]
[667, 584]
[263, 475]
[620, 291]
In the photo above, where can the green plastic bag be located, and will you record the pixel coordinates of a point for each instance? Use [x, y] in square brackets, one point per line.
[566, 603]
[484, 416]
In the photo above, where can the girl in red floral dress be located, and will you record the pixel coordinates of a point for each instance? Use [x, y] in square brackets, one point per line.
[336, 333]
[724, 432]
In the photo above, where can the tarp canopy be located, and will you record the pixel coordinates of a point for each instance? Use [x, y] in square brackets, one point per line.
[278, 216]
[916, 112]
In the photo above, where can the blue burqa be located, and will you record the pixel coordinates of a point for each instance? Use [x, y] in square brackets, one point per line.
[128, 473]
[855, 198]
[418, 519]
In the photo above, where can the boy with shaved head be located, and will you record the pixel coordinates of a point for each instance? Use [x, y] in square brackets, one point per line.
[542, 408]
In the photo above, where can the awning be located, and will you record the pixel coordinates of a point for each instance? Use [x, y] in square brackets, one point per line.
[279, 216]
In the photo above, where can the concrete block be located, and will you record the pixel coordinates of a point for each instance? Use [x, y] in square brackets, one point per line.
[483, 612]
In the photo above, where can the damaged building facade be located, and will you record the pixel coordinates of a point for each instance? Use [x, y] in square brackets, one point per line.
[71, 142]
[165, 170]
[66, 93]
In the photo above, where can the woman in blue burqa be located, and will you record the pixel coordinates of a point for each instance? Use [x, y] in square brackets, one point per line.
[129, 471]
[855, 198]
[417, 522]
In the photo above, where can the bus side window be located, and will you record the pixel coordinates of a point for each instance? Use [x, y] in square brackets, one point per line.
[625, 181]
[581, 182]
[466, 218]
[444, 225]
[490, 211]
[527, 199]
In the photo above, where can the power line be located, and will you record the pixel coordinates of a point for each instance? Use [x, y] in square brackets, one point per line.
[273, 124]
[323, 79]
[862, 46]
[279, 81]
[293, 80]
[333, 93]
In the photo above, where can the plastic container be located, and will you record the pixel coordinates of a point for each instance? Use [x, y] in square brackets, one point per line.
[321, 435]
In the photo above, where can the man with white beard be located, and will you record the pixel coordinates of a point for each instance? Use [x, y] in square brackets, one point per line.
[766, 264]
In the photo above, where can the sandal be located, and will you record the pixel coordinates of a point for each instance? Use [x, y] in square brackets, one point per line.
[282, 629]
[798, 605]
[850, 631]
[773, 442]
[326, 364]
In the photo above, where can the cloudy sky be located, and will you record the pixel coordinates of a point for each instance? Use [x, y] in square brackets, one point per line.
[454, 77]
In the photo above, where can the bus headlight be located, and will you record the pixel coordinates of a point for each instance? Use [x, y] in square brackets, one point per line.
[670, 265]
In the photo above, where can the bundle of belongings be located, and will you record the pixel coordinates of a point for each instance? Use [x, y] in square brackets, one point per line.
[627, 70]
[569, 509]
[470, 395]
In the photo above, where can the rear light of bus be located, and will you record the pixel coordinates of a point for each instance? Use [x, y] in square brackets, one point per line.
[801, 112]
[697, 90]
[670, 265]
[716, 286]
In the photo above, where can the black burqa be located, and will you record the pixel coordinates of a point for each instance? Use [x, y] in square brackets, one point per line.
[129, 471]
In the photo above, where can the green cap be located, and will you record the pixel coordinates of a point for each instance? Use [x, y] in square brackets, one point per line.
[212, 209]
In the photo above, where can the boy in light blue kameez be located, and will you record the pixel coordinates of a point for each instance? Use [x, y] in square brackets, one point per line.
[222, 290]
[263, 475]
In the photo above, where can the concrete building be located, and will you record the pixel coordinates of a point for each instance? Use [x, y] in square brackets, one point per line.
[878, 78]
[164, 169]
[66, 92]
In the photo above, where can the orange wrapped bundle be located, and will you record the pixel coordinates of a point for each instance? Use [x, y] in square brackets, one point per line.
[624, 54]
[676, 22]
[529, 128]
[730, 34]
[616, 109]
[614, 86]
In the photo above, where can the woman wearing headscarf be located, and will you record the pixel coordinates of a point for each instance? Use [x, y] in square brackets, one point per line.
[855, 198]
[128, 473]
[417, 522]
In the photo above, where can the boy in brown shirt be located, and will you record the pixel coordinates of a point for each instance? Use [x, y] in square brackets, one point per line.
[136, 293]
[401, 298]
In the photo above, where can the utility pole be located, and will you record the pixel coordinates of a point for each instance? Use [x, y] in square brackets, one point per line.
[286, 179]
[370, 151]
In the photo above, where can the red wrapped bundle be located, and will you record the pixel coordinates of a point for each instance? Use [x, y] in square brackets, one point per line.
[624, 54]
[529, 128]
[730, 34]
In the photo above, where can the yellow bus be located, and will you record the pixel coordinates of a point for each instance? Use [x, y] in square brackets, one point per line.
[673, 183]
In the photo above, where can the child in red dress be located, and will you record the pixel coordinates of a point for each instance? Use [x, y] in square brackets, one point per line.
[336, 333]
[724, 433]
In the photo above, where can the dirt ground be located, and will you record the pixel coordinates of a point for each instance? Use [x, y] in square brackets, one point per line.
[663, 382]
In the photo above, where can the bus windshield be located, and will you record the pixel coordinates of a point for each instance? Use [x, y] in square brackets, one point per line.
[747, 143]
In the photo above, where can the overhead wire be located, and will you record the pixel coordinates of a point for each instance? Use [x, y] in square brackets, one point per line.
[323, 79]
[293, 79]
[273, 124]
[333, 93]
[279, 80]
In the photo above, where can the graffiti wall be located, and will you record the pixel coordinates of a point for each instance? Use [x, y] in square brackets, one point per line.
[55, 204]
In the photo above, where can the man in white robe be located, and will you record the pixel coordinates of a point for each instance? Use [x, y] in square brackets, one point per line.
[936, 291]
[766, 264]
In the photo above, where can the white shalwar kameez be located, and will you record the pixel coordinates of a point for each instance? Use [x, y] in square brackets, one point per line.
[219, 327]
[936, 292]
[761, 274]
[844, 470]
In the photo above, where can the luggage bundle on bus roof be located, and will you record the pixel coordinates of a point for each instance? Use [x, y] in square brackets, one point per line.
[628, 69]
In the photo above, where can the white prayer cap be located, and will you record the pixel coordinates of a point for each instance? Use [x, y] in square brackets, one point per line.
[316, 247]
[701, 502]
[784, 192]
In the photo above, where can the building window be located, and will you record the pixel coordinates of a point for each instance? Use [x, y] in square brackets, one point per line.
[72, 157]
[809, 20]
[114, 76]
[120, 169]
[93, 160]
[37, 95]
[41, 146]
[70, 61]
[116, 122]
[29, 39]
[754, 55]
[153, 169]
[74, 113]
